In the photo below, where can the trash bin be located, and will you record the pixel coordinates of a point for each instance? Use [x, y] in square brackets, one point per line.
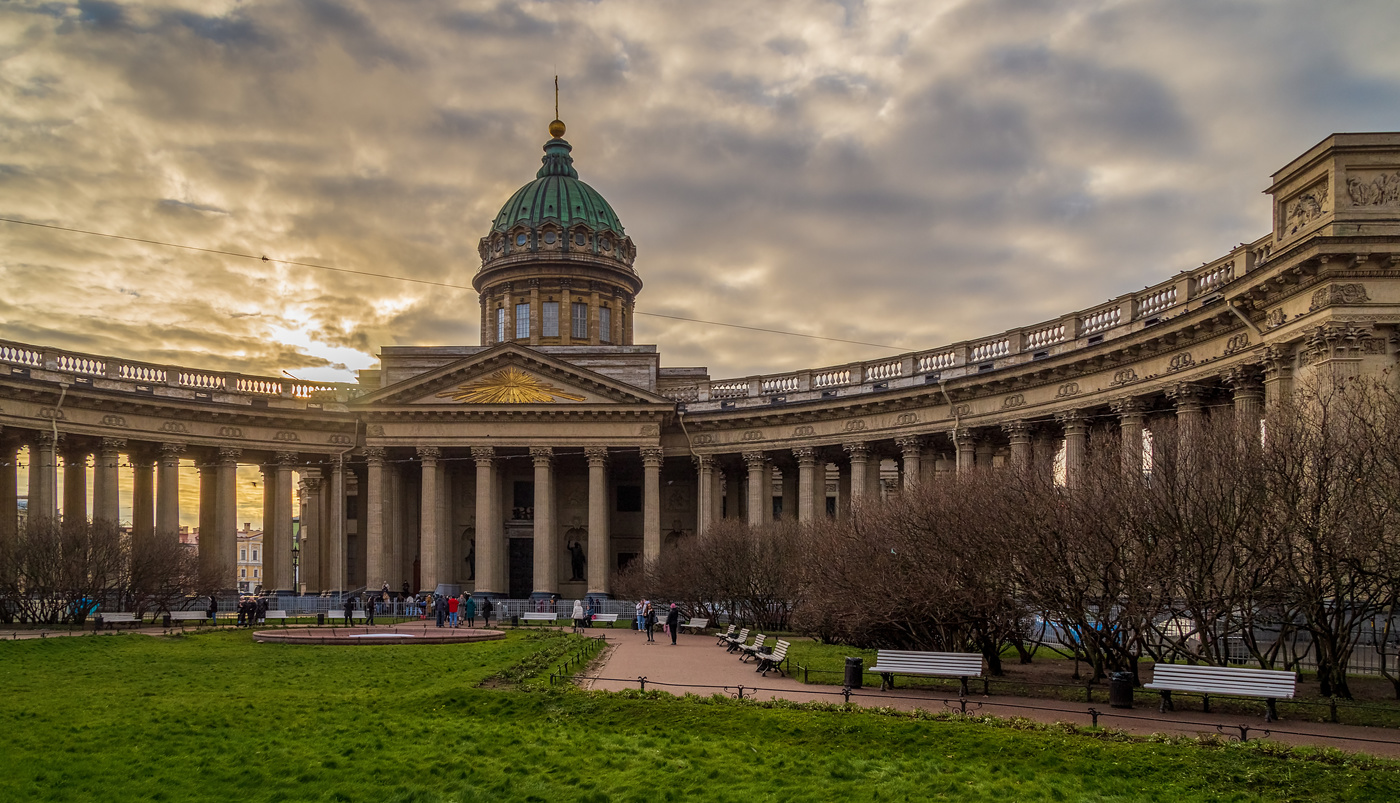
[165, 621]
[855, 668]
[320, 618]
[1120, 689]
[515, 621]
[97, 623]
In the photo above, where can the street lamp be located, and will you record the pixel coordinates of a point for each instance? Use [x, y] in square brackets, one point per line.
[296, 566]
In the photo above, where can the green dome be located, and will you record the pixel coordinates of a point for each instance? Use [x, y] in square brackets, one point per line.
[557, 195]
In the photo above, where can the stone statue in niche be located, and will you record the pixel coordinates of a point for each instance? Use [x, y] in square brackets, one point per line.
[578, 561]
[471, 553]
[676, 535]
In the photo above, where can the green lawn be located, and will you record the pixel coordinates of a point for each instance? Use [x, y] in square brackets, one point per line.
[215, 717]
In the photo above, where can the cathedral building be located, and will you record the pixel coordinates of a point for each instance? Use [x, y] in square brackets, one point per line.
[558, 451]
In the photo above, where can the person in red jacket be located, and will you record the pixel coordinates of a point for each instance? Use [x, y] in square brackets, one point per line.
[452, 611]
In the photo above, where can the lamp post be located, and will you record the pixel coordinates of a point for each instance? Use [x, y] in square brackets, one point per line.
[296, 566]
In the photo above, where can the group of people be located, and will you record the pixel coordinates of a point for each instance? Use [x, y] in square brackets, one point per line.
[450, 611]
[251, 611]
[647, 618]
[583, 613]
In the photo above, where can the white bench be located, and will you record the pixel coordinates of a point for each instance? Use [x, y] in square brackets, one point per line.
[605, 617]
[1230, 681]
[110, 618]
[539, 616]
[275, 615]
[769, 661]
[724, 637]
[697, 624]
[198, 617]
[748, 650]
[737, 640]
[960, 665]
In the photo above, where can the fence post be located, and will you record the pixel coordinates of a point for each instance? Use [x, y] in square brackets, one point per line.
[846, 690]
[1094, 712]
[643, 682]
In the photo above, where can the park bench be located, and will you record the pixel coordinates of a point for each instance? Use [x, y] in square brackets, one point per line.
[198, 617]
[769, 661]
[605, 617]
[960, 665]
[697, 624]
[747, 651]
[272, 616]
[1229, 681]
[539, 616]
[724, 637]
[737, 640]
[110, 618]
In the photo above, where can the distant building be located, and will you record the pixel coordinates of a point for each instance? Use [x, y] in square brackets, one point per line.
[250, 559]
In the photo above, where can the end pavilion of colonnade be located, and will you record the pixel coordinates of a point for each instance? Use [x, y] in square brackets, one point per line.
[542, 460]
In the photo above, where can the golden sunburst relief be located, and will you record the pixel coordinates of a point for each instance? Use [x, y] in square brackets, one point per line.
[509, 386]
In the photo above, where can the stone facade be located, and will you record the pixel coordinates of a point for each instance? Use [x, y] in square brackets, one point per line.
[524, 467]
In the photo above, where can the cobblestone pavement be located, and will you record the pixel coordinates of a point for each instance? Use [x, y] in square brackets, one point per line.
[697, 665]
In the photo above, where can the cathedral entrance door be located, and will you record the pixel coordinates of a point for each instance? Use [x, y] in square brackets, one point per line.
[522, 567]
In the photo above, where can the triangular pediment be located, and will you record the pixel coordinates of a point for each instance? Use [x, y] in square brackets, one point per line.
[508, 376]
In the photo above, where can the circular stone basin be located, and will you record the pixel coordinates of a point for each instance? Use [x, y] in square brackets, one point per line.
[400, 634]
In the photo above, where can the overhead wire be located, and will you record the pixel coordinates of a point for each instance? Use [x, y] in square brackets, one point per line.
[371, 274]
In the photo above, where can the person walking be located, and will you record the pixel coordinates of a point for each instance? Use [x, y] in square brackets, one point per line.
[439, 610]
[369, 609]
[213, 609]
[469, 611]
[349, 611]
[487, 608]
[452, 604]
[650, 615]
[578, 614]
[641, 610]
[673, 622]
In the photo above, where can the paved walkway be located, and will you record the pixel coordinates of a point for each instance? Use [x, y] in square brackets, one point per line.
[697, 665]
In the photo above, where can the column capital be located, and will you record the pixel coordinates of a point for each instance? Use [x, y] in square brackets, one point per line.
[653, 456]
[374, 455]
[1075, 422]
[172, 450]
[755, 459]
[1277, 361]
[597, 455]
[229, 455]
[909, 443]
[1186, 396]
[287, 459]
[857, 451]
[429, 454]
[1128, 406]
[704, 462]
[806, 455]
[483, 455]
[312, 484]
[140, 458]
[1018, 431]
[963, 439]
[112, 444]
[46, 437]
[542, 455]
[1245, 380]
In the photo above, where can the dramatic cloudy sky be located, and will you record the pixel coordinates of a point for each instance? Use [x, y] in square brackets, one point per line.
[902, 173]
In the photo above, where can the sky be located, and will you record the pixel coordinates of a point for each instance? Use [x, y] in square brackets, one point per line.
[908, 174]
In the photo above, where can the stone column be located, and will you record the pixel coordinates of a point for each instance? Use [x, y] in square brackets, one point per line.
[911, 448]
[106, 498]
[599, 535]
[1278, 374]
[843, 490]
[1020, 434]
[168, 494]
[985, 453]
[757, 465]
[75, 484]
[966, 444]
[312, 537]
[272, 557]
[1188, 399]
[277, 539]
[490, 549]
[43, 476]
[704, 490]
[546, 533]
[9, 488]
[335, 527]
[860, 460]
[429, 539]
[375, 575]
[536, 319]
[652, 457]
[397, 530]
[1248, 388]
[143, 500]
[1132, 418]
[807, 483]
[566, 308]
[226, 516]
[1076, 426]
[208, 538]
[717, 492]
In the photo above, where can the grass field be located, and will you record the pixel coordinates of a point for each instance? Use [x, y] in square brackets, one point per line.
[215, 717]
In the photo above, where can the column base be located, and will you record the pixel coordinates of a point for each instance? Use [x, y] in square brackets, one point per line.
[544, 594]
[598, 595]
[489, 594]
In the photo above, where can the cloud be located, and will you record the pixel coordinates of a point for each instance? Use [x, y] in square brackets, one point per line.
[905, 173]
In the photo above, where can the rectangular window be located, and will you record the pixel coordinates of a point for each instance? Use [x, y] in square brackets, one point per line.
[522, 321]
[550, 322]
[255, 574]
[580, 323]
[242, 572]
[605, 325]
[255, 555]
[242, 554]
[500, 324]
